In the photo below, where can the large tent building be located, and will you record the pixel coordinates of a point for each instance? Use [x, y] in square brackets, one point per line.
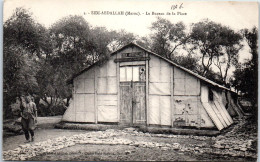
[137, 87]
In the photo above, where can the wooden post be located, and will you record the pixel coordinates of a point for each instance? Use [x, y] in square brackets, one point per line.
[147, 89]
[73, 94]
[118, 90]
[95, 95]
[160, 111]
[172, 92]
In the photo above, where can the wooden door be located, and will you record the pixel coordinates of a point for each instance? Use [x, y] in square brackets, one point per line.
[125, 103]
[138, 103]
[132, 95]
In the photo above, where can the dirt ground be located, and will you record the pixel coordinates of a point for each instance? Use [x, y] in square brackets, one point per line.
[44, 131]
[128, 153]
[110, 152]
[41, 134]
[129, 145]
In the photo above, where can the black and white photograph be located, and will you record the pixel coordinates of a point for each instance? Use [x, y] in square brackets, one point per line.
[130, 80]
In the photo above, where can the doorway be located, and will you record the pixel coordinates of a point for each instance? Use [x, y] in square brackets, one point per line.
[132, 95]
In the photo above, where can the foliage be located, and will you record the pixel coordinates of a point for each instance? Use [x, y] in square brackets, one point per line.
[144, 42]
[245, 78]
[57, 109]
[101, 38]
[20, 29]
[206, 36]
[167, 37]
[188, 62]
[231, 45]
[119, 39]
[218, 44]
[72, 42]
[214, 76]
[252, 39]
[19, 74]
[25, 44]
[52, 85]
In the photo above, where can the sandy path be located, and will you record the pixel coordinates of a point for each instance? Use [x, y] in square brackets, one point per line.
[43, 132]
[40, 135]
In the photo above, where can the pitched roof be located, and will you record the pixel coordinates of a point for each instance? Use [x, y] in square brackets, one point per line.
[171, 62]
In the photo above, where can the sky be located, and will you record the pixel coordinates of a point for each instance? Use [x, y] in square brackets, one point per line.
[236, 15]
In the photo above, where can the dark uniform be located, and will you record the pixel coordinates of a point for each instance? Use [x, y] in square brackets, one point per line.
[29, 114]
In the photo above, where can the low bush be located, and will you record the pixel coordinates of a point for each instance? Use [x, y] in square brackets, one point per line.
[51, 110]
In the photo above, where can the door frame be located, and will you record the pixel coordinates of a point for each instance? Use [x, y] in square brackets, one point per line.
[130, 64]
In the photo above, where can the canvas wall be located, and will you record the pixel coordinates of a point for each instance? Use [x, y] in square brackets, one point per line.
[220, 105]
[215, 107]
[185, 84]
[69, 114]
[107, 90]
[159, 92]
[81, 108]
[95, 95]
[187, 107]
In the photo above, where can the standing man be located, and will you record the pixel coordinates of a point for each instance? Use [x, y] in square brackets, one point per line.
[29, 118]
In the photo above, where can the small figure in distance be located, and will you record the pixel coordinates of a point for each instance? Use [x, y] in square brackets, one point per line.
[29, 118]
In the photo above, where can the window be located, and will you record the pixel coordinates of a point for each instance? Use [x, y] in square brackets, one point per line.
[132, 73]
[122, 74]
[135, 73]
[129, 73]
